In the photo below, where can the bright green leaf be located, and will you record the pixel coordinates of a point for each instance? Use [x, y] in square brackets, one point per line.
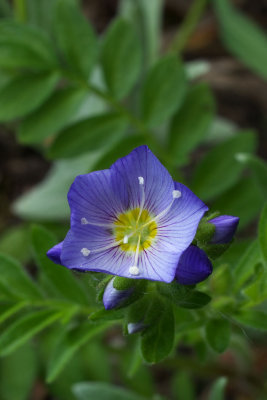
[59, 278]
[218, 389]
[16, 280]
[24, 94]
[76, 38]
[164, 90]
[253, 319]
[102, 391]
[242, 37]
[218, 334]
[121, 58]
[70, 342]
[219, 170]
[7, 310]
[103, 131]
[52, 116]
[23, 329]
[191, 123]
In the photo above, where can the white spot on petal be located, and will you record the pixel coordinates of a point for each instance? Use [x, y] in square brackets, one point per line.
[141, 180]
[84, 221]
[176, 194]
[85, 252]
[134, 270]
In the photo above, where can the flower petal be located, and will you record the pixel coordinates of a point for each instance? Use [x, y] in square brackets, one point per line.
[55, 253]
[225, 228]
[158, 184]
[194, 266]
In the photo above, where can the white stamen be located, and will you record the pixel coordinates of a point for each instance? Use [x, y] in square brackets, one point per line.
[141, 180]
[85, 252]
[134, 270]
[176, 194]
[84, 221]
[125, 239]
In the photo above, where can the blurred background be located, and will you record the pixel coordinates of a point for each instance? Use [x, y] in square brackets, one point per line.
[36, 172]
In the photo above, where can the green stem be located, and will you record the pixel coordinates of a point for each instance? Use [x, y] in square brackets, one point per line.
[20, 11]
[188, 26]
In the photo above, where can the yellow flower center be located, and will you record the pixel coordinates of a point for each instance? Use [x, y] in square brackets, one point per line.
[133, 228]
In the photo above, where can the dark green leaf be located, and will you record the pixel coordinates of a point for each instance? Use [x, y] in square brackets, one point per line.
[164, 90]
[7, 310]
[24, 94]
[121, 58]
[219, 169]
[183, 386]
[258, 168]
[218, 334]
[69, 343]
[54, 115]
[103, 131]
[191, 123]
[158, 338]
[24, 46]
[102, 391]
[58, 278]
[195, 299]
[218, 389]
[243, 200]
[15, 279]
[23, 329]
[184, 296]
[17, 374]
[253, 319]
[263, 232]
[75, 37]
[242, 37]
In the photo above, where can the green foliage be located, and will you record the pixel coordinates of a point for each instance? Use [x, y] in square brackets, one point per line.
[218, 334]
[121, 58]
[218, 389]
[242, 37]
[84, 391]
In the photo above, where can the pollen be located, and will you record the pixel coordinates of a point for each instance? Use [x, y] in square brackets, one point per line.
[134, 270]
[85, 252]
[176, 194]
[84, 221]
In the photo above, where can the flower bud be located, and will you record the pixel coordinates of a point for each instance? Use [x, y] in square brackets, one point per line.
[225, 228]
[135, 327]
[114, 298]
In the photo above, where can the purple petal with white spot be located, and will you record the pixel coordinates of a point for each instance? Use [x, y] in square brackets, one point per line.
[194, 266]
[114, 298]
[225, 228]
[55, 253]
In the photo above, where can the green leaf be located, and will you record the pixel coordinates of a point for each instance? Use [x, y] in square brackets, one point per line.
[218, 334]
[24, 94]
[184, 296]
[218, 389]
[52, 116]
[102, 391]
[158, 338]
[195, 299]
[191, 123]
[23, 329]
[15, 279]
[103, 131]
[242, 37]
[164, 90]
[69, 343]
[243, 200]
[121, 58]
[219, 170]
[59, 278]
[263, 232]
[24, 46]
[183, 386]
[18, 372]
[48, 200]
[258, 168]
[15, 242]
[245, 267]
[7, 310]
[253, 319]
[76, 38]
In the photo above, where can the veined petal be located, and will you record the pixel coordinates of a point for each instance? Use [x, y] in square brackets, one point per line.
[158, 184]
[225, 228]
[55, 253]
[194, 266]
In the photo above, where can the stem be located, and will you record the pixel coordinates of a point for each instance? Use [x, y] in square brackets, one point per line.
[188, 26]
[20, 11]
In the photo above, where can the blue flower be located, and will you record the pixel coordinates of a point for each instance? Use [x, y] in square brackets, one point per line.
[194, 266]
[131, 220]
[225, 228]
